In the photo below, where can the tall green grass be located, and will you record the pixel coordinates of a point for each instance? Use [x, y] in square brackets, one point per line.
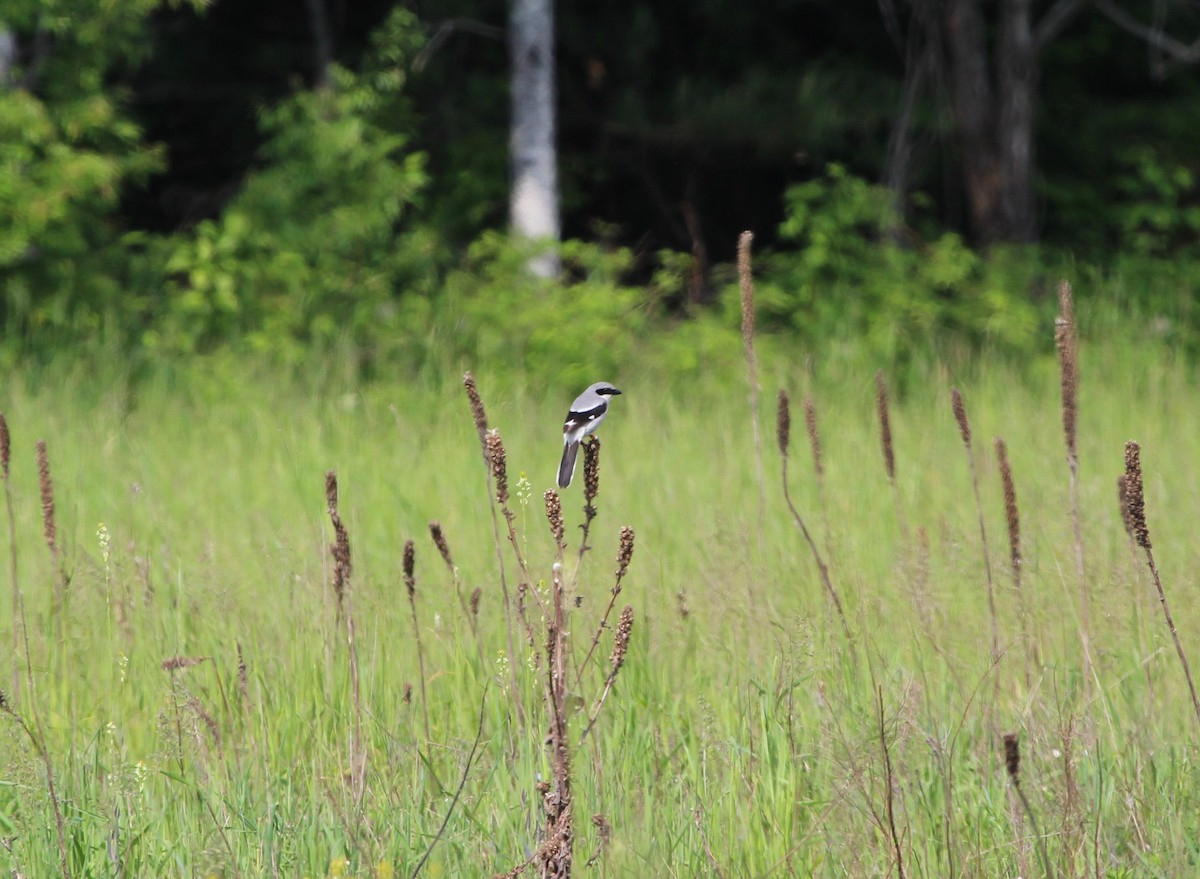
[743, 738]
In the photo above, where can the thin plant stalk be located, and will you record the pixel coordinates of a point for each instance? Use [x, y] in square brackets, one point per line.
[746, 283]
[479, 416]
[17, 598]
[340, 550]
[410, 585]
[964, 428]
[783, 434]
[889, 452]
[1067, 344]
[1136, 505]
[1012, 764]
[1013, 520]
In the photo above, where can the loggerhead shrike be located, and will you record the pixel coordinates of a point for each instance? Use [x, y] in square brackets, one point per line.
[585, 416]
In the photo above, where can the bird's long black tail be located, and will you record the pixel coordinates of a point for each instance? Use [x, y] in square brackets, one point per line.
[566, 469]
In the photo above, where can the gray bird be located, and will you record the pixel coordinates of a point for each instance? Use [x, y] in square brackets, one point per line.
[585, 416]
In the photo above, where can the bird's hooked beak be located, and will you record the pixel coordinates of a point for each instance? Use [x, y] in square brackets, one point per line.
[614, 392]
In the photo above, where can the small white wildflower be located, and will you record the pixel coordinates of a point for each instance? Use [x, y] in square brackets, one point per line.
[105, 540]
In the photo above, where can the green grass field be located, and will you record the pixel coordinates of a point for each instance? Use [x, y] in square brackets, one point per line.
[743, 737]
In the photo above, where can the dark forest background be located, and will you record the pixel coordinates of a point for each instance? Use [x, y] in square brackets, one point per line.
[280, 176]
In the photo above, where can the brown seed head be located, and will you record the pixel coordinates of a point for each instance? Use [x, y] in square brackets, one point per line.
[1135, 498]
[682, 605]
[1012, 757]
[621, 639]
[499, 461]
[477, 412]
[1068, 363]
[410, 559]
[591, 470]
[407, 697]
[624, 551]
[746, 279]
[475, 597]
[783, 423]
[331, 492]
[1123, 504]
[439, 540]
[885, 425]
[49, 528]
[554, 515]
[5, 446]
[340, 548]
[814, 436]
[1010, 503]
[243, 675]
[177, 662]
[960, 415]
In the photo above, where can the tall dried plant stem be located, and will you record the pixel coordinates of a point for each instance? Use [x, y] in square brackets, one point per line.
[814, 444]
[340, 550]
[964, 428]
[1067, 343]
[50, 532]
[1013, 518]
[746, 281]
[783, 435]
[889, 786]
[479, 416]
[17, 598]
[557, 850]
[889, 453]
[1136, 505]
[591, 490]
[410, 585]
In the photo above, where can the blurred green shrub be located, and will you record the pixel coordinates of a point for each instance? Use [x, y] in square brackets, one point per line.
[851, 275]
[67, 147]
[318, 245]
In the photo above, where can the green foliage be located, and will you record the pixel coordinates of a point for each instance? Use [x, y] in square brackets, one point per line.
[852, 277]
[67, 148]
[564, 331]
[319, 244]
[1159, 213]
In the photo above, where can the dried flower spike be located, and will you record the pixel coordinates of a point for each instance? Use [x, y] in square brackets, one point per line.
[885, 425]
[746, 282]
[439, 540]
[50, 529]
[1068, 362]
[1010, 502]
[476, 595]
[621, 639]
[499, 461]
[177, 662]
[624, 551]
[554, 515]
[410, 558]
[1135, 498]
[5, 446]
[960, 415]
[1012, 757]
[783, 423]
[814, 436]
[591, 469]
[477, 412]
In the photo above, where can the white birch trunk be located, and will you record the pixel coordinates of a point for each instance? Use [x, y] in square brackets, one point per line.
[533, 199]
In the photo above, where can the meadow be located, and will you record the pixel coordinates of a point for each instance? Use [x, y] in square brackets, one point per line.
[204, 710]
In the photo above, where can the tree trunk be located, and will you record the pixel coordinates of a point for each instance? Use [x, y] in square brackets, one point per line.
[1018, 75]
[994, 124]
[533, 200]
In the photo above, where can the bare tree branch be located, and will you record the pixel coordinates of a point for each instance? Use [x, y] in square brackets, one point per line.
[1056, 18]
[1184, 53]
